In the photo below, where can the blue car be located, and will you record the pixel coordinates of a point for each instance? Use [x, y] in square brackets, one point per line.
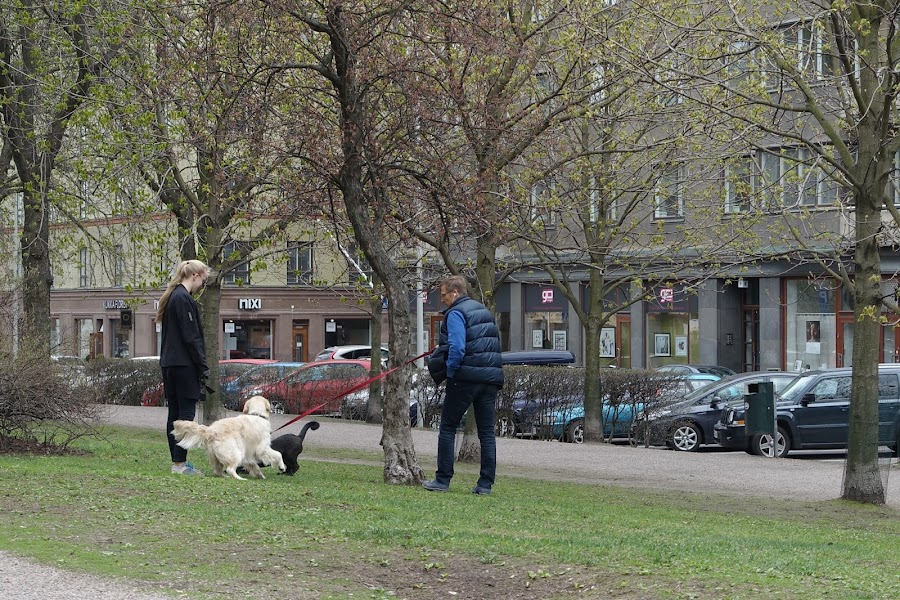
[232, 390]
[563, 419]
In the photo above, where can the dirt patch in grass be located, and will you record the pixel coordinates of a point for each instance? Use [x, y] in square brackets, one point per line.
[338, 570]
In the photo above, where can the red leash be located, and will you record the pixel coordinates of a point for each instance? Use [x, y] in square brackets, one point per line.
[355, 388]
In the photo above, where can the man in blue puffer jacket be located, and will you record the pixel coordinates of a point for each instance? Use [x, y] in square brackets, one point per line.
[468, 357]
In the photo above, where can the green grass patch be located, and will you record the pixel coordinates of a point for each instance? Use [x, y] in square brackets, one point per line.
[336, 531]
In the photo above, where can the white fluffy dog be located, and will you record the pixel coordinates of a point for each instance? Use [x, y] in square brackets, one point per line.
[244, 440]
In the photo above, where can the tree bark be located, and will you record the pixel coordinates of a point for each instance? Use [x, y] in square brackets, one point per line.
[400, 462]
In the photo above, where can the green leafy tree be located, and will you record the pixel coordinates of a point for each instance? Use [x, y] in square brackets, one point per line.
[51, 54]
[814, 84]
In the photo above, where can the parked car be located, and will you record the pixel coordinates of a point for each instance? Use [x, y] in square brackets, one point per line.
[356, 405]
[506, 418]
[312, 384]
[687, 424]
[813, 413]
[688, 369]
[339, 352]
[229, 369]
[232, 389]
[566, 422]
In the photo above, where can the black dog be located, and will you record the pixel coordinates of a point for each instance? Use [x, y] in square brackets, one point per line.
[291, 446]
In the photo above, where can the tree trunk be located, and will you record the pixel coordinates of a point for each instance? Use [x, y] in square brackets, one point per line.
[375, 411]
[37, 277]
[210, 301]
[400, 463]
[862, 481]
[486, 275]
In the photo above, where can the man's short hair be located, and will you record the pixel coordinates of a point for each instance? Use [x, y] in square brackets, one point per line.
[455, 283]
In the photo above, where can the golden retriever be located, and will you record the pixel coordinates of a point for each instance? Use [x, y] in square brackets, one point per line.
[244, 440]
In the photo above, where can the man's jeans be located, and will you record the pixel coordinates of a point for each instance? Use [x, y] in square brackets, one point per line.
[458, 397]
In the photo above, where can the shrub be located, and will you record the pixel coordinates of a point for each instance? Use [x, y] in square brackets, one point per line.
[122, 380]
[43, 408]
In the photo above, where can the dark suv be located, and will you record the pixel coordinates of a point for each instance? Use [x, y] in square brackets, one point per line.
[813, 412]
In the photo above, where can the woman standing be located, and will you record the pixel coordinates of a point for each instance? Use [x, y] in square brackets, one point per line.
[182, 356]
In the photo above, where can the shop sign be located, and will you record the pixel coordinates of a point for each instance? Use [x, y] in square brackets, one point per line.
[114, 304]
[249, 303]
[547, 296]
[666, 295]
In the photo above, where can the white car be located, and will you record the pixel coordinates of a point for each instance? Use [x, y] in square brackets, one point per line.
[338, 352]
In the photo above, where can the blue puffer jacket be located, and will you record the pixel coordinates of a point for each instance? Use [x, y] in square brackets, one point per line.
[482, 362]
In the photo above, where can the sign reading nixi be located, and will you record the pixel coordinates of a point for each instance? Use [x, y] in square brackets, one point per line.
[249, 303]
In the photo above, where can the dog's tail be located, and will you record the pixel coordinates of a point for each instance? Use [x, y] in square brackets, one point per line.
[311, 425]
[189, 434]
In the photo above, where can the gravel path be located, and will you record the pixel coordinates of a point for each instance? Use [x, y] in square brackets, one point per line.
[809, 476]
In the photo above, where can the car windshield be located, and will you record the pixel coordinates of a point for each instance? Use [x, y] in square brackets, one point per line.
[793, 388]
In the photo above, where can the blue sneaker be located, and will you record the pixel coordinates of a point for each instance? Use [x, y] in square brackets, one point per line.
[186, 469]
[435, 486]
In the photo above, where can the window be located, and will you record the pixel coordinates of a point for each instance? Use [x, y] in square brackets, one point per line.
[236, 274]
[83, 268]
[540, 204]
[894, 180]
[739, 185]
[360, 272]
[597, 205]
[670, 193]
[780, 178]
[809, 50]
[671, 80]
[118, 266]
[300, 263]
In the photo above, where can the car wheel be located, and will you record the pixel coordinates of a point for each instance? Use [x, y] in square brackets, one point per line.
[506, 427]
[761, 445]
[685, 437]
[575, 432]
[277, 405]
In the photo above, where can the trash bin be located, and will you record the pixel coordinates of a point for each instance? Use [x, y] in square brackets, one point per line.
[759, 409]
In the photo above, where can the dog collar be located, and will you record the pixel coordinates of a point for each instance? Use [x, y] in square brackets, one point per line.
[259, 415]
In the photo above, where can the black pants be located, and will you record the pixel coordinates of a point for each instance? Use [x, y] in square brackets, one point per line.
[182, 388]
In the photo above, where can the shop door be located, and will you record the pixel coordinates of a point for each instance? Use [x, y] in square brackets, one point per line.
[623, 358]
[751, 334]
[300, 350]
[436, 321]
[845, 327]
[889, 352]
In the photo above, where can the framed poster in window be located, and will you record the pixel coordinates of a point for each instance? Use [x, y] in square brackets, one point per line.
[608, 342]
[661, 344]
[681, 345]
[559, 340]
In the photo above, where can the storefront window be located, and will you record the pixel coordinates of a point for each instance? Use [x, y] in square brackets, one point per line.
[546, 318]
[668, 339]
[672, 326]
[810, 332]
[546, 330]
[248, 339]
[121, 339]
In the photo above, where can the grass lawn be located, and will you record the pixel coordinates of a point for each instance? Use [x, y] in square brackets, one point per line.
[336, 531]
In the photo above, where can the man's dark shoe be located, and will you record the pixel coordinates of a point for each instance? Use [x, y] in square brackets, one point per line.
[481, 491]
[434, 486]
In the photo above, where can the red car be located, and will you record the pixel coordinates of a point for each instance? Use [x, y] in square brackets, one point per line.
[313, 384]
[228, 370]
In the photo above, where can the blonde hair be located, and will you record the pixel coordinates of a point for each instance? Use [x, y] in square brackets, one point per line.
[186, 269]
